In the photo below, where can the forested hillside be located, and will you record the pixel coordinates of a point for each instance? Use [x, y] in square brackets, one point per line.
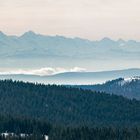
[129, 87]
[66, 113]
[69, 106]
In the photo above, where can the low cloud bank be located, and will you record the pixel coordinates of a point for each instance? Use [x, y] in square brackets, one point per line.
[43, 71]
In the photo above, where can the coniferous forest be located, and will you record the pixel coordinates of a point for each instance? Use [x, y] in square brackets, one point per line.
[65, 113]
[129, 88]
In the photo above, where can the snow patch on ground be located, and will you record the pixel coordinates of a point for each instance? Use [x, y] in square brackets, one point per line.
[22, 135]
[46, 137]
[128, 80]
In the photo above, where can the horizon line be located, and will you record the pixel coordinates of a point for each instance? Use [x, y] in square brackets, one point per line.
[65, 36]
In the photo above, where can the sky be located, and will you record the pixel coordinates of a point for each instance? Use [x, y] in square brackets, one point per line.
[91, 19]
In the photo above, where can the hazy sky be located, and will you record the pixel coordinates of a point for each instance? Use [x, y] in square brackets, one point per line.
[93, 19]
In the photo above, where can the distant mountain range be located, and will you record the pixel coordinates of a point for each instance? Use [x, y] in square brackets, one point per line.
[127, 87]
[32, 50]
[75, 78]
[31, 44]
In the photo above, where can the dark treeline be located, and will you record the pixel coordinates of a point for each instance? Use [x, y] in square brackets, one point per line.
[23, 125]
[13, 128]
[66, 113]
[82, 133]
[36, 130]
[105, 133]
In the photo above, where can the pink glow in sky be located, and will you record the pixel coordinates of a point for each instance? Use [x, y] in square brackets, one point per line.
[92, 19]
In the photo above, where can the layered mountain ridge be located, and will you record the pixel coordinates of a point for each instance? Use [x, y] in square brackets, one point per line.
[32, 50]
[127, 87]
[38, 45]
[75, 78]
